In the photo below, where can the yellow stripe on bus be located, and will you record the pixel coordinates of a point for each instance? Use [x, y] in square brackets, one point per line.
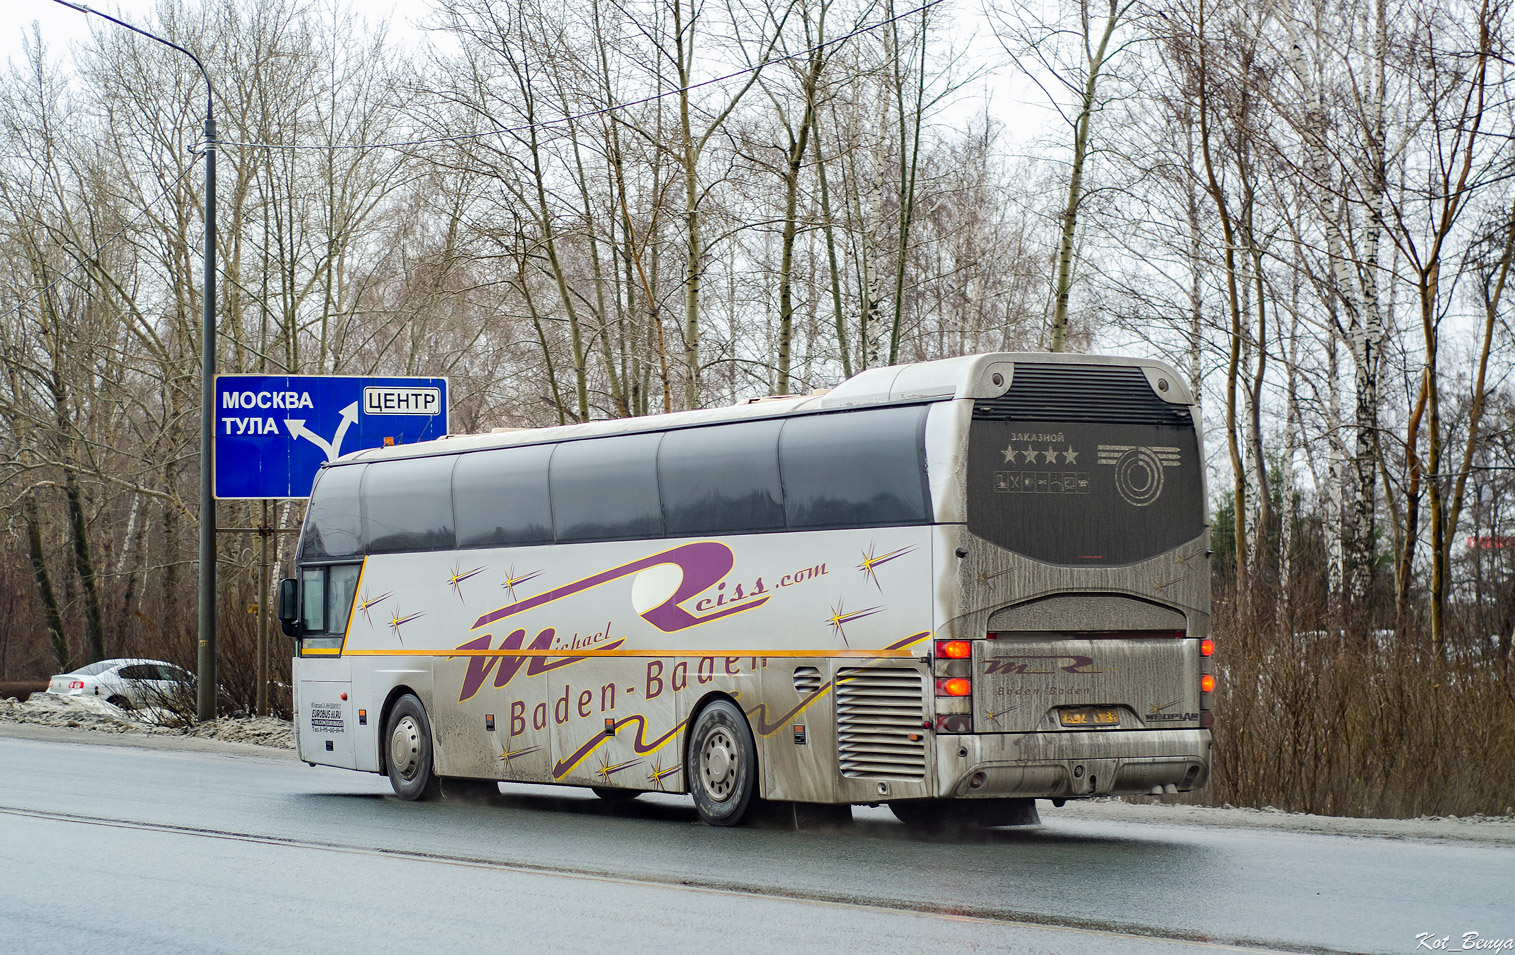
[903, 653]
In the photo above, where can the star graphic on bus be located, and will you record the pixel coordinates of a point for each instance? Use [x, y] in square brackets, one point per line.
[1070, 456]
[840, 618]
[396, 622]
[1010, 454]
[511, 580]
[458, 576]
[1049, 456]
[366, 604]
[994, 717]
[656, 773]
[608, 769]
[870, 562]
[510, 754]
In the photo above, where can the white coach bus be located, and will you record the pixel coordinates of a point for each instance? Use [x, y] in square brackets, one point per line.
[950, 587]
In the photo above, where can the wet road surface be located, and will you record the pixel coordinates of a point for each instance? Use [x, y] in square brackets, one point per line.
[110, 848]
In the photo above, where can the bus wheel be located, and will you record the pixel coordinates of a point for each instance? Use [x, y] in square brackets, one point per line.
[409, 756]
[722, 768]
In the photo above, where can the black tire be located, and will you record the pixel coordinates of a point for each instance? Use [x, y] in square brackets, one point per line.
[611, 794]
[939, 816]
[722, 765]
[407, 736]
[120, 702]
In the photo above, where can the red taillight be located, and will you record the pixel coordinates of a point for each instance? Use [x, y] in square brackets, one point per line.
[954, 649]
[1207, 683]
[76, 685]
[1206, 647]
[954, 686]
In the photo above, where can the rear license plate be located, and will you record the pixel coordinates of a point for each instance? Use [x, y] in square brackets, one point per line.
[1089, 716]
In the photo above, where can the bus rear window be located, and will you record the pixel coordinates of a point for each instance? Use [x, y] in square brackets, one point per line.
[1084, 493]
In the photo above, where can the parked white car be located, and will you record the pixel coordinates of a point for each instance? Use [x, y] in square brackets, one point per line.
[125, 683]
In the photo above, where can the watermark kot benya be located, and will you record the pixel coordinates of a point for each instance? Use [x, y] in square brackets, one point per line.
[1464, 942]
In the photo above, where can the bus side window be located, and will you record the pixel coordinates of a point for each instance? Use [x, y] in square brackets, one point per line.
[407, 505]
[332, 525]
[859, 469]
[499, 498]
[606, 489]
[722, 479]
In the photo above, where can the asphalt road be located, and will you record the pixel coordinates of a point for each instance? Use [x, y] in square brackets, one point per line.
[123, 850]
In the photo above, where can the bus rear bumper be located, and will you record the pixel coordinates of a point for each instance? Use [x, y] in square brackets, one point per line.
[1073, 764]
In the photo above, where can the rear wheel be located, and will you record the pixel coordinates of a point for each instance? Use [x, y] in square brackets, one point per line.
[120, 702]
[408, 756]
[722, 764]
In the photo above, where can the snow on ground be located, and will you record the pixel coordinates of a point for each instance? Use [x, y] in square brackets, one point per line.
[93, 714]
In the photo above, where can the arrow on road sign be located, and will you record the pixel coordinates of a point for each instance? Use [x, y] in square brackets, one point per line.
[333, 447]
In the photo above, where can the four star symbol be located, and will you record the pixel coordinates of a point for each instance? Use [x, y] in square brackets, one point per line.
[1012, 454]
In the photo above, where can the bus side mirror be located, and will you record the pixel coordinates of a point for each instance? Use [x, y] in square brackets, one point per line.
[289, 607]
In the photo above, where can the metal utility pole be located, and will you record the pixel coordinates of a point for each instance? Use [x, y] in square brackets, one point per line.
[207, 662]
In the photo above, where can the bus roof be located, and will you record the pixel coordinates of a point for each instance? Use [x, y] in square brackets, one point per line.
[968, 376]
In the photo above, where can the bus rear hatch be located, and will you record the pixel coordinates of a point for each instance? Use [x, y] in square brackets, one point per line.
[1049, 681]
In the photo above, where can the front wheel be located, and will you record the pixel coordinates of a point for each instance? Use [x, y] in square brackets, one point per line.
[722, 764]
[408, 758]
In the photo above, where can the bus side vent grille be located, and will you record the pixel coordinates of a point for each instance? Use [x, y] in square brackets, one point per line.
[806, 681]
[878, 710]
[1070, 393]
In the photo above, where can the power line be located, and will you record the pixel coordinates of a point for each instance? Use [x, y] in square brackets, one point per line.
[603, 110]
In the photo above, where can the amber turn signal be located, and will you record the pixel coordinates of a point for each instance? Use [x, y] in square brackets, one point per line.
[1206, 647]
[955, 686]
[1207, 683]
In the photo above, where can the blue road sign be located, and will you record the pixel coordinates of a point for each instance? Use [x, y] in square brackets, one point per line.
[273, 432]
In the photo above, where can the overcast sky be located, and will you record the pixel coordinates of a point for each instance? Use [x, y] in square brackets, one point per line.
[1017, 103]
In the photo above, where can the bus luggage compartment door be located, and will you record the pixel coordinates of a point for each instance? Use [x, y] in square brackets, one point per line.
[326, 723]
[1027, 682]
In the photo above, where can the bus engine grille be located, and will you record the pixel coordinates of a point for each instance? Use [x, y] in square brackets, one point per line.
[878, 710]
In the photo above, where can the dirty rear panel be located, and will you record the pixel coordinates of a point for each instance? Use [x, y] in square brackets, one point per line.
[1081, 682]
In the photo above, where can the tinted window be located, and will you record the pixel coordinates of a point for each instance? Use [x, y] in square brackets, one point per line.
[342, 586]
[1083, 493]
[500, 497]
[858, 469]
[606, 489]
[313, 592]
[138, 671]
[722, 480]
[331, 522]
[407, 505]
